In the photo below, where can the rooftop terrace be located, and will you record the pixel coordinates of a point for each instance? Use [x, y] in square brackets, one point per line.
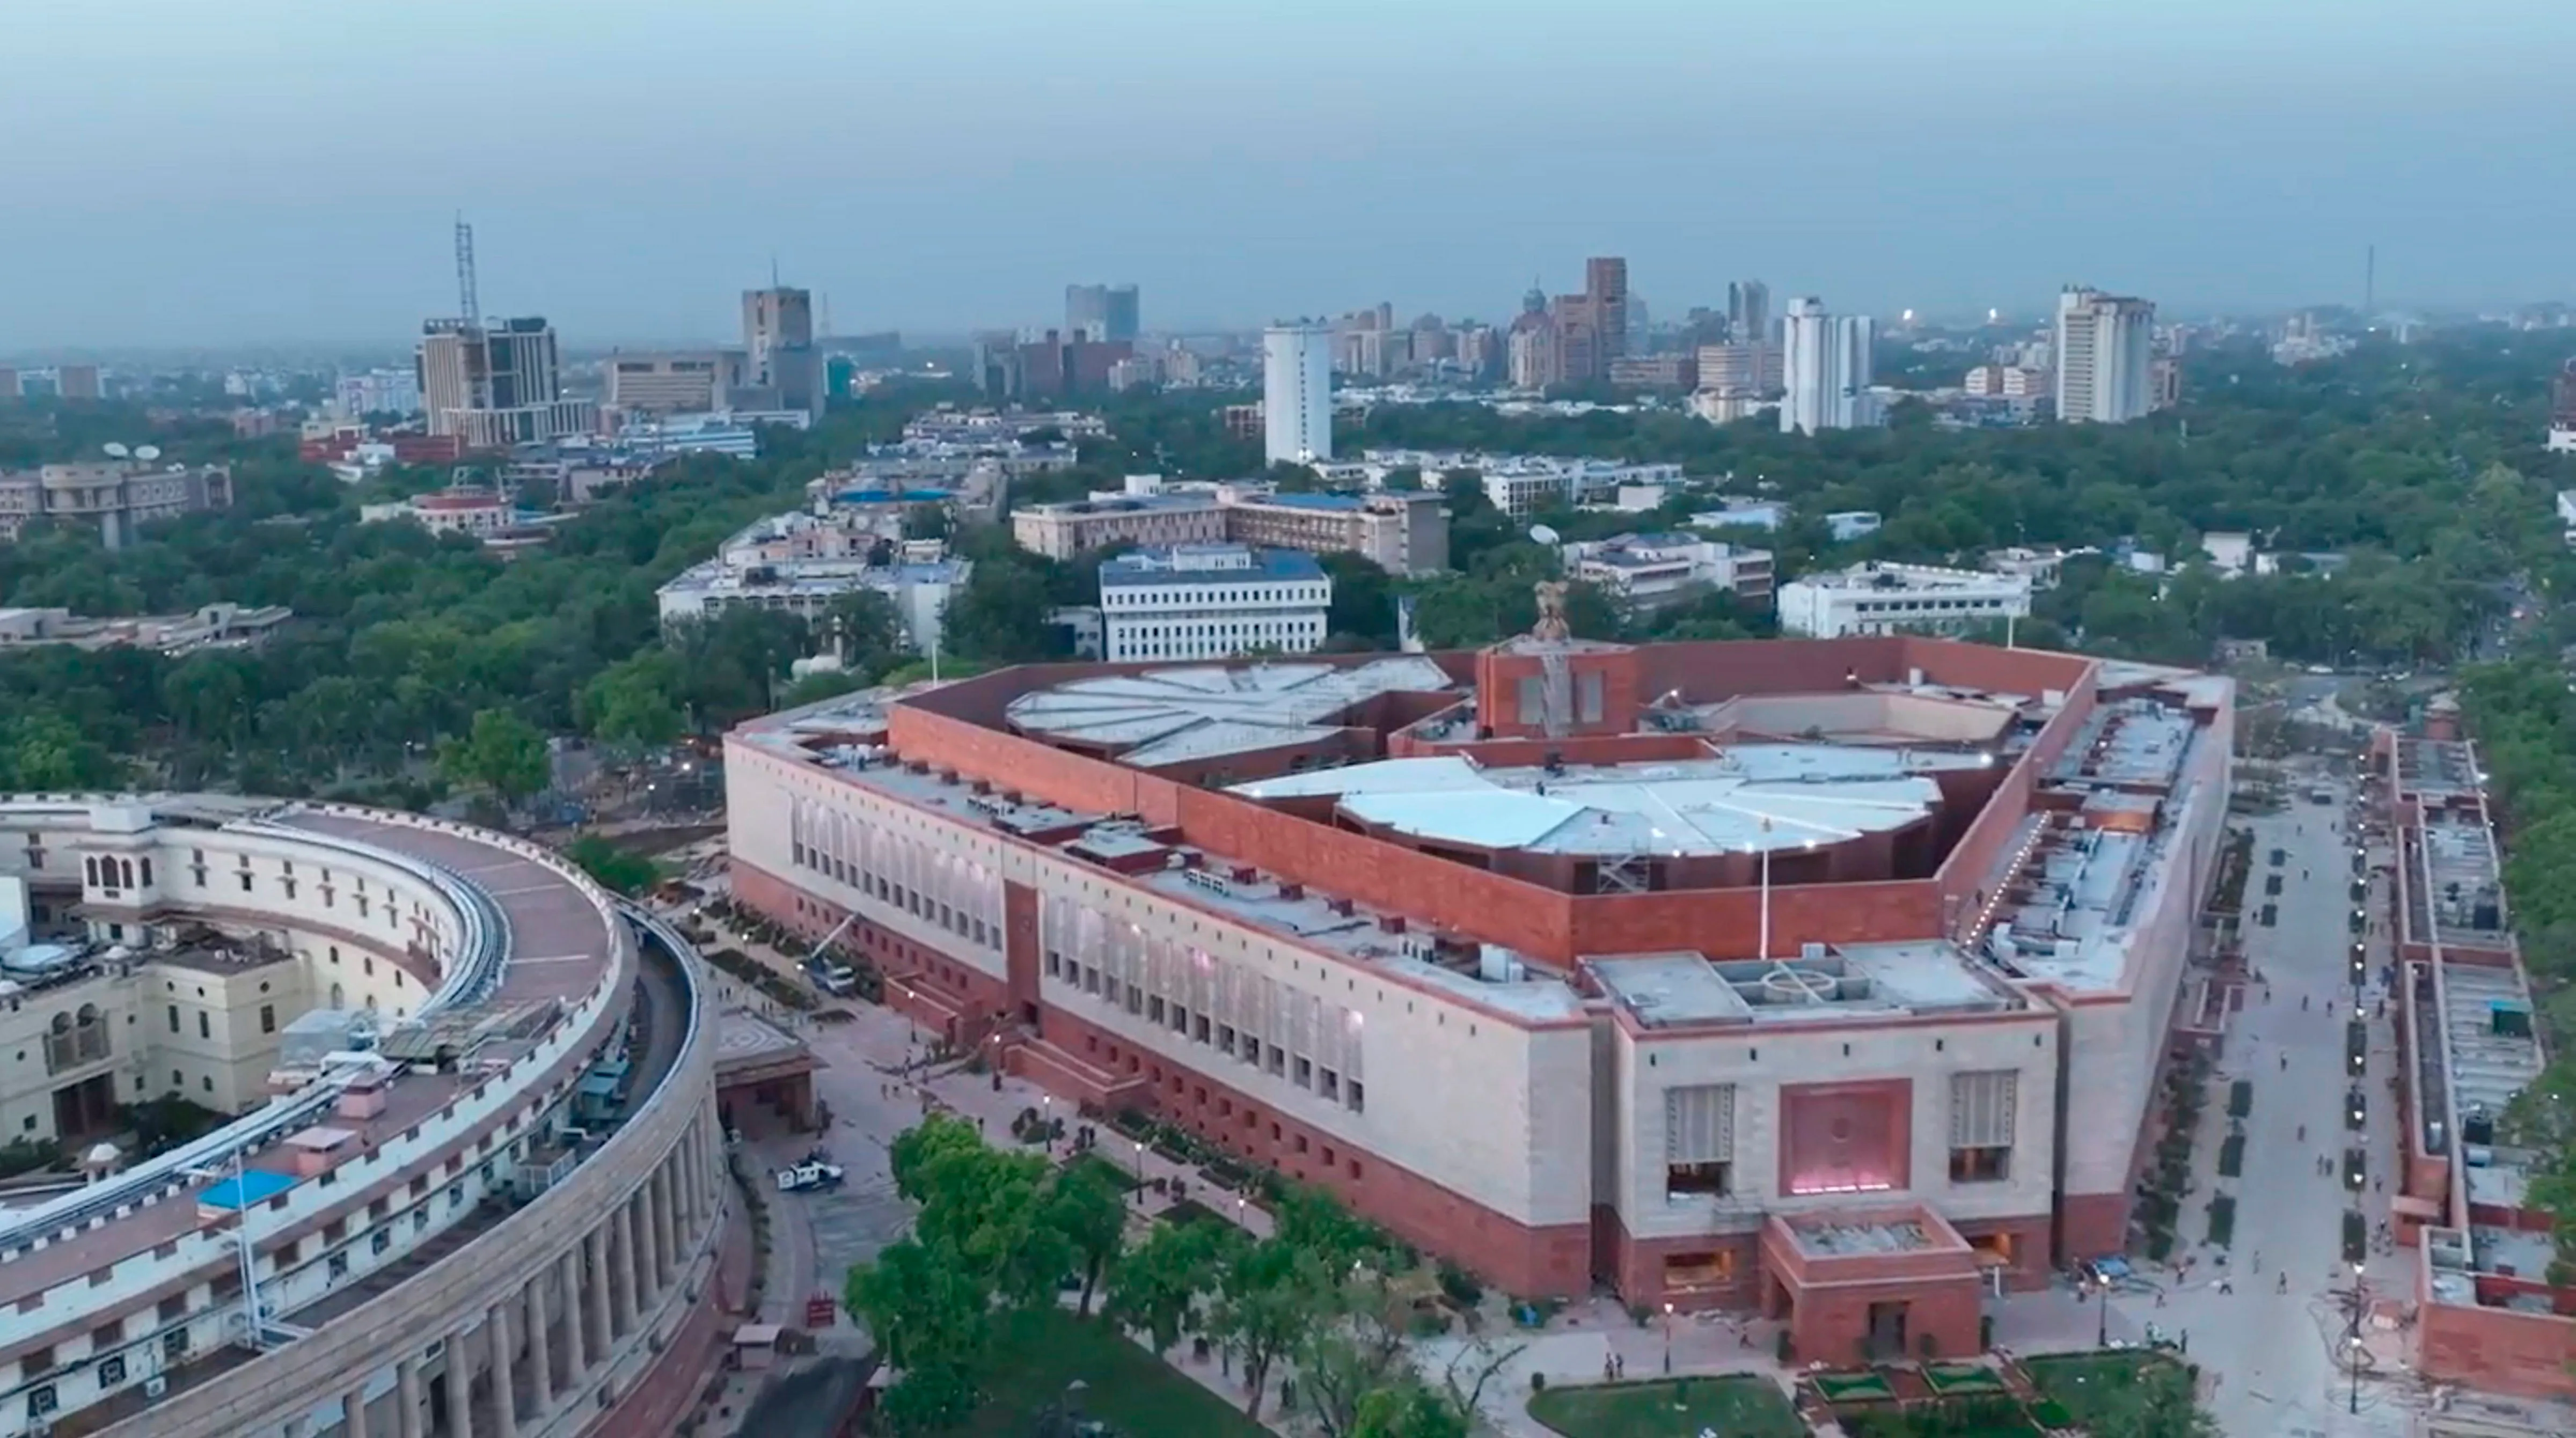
[1818, 985]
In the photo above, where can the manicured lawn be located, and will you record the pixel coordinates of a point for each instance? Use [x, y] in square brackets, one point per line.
[1846, 1387]
[1117, 1177]
[1736, 1407]
[1045, 1351]
[1962, 1378]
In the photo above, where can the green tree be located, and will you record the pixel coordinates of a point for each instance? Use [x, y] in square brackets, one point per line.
[1408, 1409]
[615, 868]
[501, 752]
[866, 632]
[634, 702]
[1090, 1210]
[1269, 1295]
[932, 1318]
[1155, 1287]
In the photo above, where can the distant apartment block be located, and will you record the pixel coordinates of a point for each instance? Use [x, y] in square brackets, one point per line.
[1102, 312]
[1154, 521]
[1900, 599]
[1212, 601]
[1642, 572]
[1998, 381]
[78, 381]
[1296, 394]
[2562, 410]
[2105, 347]
[112, 496]
[1676, 371]
[378, 391]
[1745, 367]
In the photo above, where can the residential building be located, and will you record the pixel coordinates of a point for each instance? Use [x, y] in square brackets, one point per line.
[676, 382]
[2164, 382]
[378, 391]
[78, 382]
[1643, 572]
[1047, 368]
[1744, 513]
[1996, 381]
[1403, 532]
[1296, 394]
[1135, 372]
[1102, 312]
[1145, 520]
[1746, 368]
[2562, 410]
[1728, 406]
[1212, 601]
[1876, 598]
[1828, 979]
[1534, 360]
[780, 361]
[652, 432]
[800, 563]
[474, 512]
[1748, 312]
[1825, 363]
[1678, 370]
[115, 496]
[1846, 525]
[494, 386]
[2105, 344]
[1243, 421]
[212, 626]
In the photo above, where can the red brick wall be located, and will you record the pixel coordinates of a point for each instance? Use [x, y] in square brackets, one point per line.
[2524, 1354]
[1519, 1259]
[1499, 675]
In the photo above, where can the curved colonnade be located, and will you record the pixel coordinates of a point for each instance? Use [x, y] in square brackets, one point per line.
[459, 1249]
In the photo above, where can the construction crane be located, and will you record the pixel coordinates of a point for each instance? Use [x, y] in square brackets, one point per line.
[469, 302]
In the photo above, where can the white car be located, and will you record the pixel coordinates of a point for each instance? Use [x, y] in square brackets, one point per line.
[809, 1175]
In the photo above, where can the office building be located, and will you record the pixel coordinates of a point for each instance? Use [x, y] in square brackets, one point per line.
[1533, 358]
[497, 385]
[378, 391]
[679, 382]
[1048, 368]
[77, 382]
[1748, 312]
[1592, 327]
[1212, 601]
[1296, 394]
[1677, 370]
[1102, 312]
[1877, 598]
[2561, 438]
[2105, 346]
[432, 1103]
[1644, 572]
[9, 384]
[1401, 531]
[115, 497]
[1832, 979]
[1825, 366]
[779, 357]
[802, 563]
[1749, 370]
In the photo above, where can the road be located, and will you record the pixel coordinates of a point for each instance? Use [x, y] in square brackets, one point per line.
[2273, 1349]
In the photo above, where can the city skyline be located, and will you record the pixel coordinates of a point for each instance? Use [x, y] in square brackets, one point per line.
[166, 225]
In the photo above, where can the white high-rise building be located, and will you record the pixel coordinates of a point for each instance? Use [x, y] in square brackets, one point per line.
[2105, 357]
[1825, 368]
[1297, 394]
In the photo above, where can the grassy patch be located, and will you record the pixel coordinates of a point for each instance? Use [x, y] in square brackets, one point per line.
[1135, 1393]
[1738, 1407]
[1846, 1387]
[1956, 1418]
[1190, 1210]
[2231, 1156]
[1961, 1378]
[2084, 1387]
[2222, 1220]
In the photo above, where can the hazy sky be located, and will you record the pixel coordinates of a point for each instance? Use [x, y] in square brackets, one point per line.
[193, 172]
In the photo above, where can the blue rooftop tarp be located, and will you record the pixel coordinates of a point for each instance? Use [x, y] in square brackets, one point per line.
[255, 1186]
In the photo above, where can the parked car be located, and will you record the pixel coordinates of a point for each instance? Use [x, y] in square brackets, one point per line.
[805, 1176]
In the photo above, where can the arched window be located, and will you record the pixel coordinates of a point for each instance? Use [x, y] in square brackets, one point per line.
[339, 999]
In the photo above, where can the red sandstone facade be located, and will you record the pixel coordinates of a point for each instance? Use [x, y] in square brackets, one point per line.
[1525, 1124]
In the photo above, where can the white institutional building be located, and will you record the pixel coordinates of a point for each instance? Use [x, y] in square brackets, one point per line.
[2105, 357]
[1296, 394]
[1826, 366]
[1879, 598]
[1212, 601]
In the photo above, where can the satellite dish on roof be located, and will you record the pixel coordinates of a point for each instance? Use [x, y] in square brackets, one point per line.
[1541, 534]
[149, 451]
[115, 450]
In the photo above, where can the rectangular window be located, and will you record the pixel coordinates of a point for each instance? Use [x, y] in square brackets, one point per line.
[1981, 1125]
[205, 1026]
[1699, 1141]
[174, 1018]
[268, 1018]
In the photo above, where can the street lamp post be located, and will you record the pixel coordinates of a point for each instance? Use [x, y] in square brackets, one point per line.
[1668, 1339]
[2102, 1311]
[1140, 1168]
[2352, 1399]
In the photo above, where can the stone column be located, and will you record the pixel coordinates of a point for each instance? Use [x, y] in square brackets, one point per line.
[460, 1388]
[353, 1412]
[505, 1387]
[621, 1272]
[541, 1346]
[599, 1287]
[407, 1399]
[665, 1239]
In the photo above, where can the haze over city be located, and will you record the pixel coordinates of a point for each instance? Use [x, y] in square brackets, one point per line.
[274, 171]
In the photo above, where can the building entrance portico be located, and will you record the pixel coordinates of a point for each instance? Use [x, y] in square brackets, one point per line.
[1871, 1285]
